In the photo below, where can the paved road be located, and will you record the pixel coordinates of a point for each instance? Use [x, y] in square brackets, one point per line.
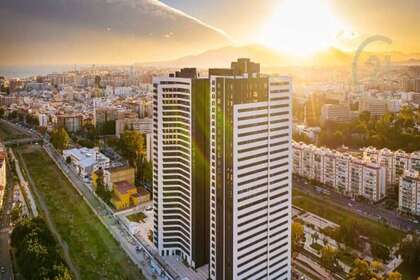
[371, 211]
[5, 259]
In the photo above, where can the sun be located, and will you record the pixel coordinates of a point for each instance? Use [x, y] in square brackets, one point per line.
[301, 27]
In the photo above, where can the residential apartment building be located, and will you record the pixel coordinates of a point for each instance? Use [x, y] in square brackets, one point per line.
[341, 171]
[71, 122]
[409, 192]
[374, 181]
[356, 177]
[250, 174]
[144, 126]
[104, 114]
[395, 163]
[383, 157]
[329, 168]
[414, 162]
[401, 163]
[375, 106]
[181, 172]
[337, 113]
[222, 172]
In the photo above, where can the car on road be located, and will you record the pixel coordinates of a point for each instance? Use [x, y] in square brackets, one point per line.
[149, 208]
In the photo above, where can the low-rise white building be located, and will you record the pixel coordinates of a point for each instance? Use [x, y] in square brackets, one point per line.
[85, 160]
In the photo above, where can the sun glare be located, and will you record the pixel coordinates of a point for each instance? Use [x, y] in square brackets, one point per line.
[301, 27]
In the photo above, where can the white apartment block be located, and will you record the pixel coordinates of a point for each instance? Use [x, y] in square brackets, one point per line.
[329, 169]
[383, 157]
[409, 192]
[395, 163]
[373, 178]
[356, 177]
[318, 165]
[414, 162]
[401, 163]
[341, 171]
[172, 178]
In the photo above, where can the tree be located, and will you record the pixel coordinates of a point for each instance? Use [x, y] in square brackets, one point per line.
[410, 250]
[150, 235]
[101, 191]
[380, 251]
[298, 236]
[361, 271]
[376, 266]
[89, 131]
[148, 172]
[329, 257]
[132, 147]
[315, 237]
[36, 251]
[2, 112]
[394, 276]
[60, 139]
[16, 213]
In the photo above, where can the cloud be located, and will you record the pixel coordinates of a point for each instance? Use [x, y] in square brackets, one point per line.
[72, 31]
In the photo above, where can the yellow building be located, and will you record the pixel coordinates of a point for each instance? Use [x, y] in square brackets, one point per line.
[113, 175]
[125, 195]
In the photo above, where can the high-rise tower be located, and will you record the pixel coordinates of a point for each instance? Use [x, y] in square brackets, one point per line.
[222, 171]
[181, 166]
[250, 191]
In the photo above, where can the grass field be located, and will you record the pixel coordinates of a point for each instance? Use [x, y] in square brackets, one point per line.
[93, 250]
[323, 208]
[9, 133]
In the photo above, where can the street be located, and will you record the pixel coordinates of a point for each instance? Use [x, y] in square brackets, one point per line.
[5, 258]
[370, 211]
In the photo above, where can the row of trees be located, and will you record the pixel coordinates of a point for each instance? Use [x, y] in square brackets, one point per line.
[36, 251]
[392, 131]
[363, 270]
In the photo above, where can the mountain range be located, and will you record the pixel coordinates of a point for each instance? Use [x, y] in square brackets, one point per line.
[267, 57]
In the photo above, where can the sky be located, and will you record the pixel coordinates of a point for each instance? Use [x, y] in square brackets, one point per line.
[129, 31]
